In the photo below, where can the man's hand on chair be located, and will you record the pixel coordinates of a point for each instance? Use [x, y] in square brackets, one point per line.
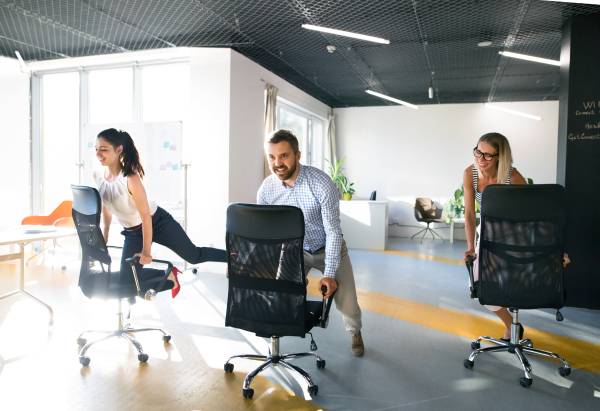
[469, 253]
[330, 283]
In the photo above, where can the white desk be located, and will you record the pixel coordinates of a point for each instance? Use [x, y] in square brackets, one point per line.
[365, 224]
[461, 221]
[19, 236]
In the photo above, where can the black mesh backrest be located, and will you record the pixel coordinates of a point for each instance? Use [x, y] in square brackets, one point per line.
[267, 284]
[94, 278]
[522, 245]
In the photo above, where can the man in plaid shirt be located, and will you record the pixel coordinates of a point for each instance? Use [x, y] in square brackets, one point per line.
[317, 196]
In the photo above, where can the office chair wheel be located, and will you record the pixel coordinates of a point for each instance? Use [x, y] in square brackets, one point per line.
[194, 271]
[143, 357]
[314, 390]
[564, 371]
[64, 267]
[468, 364]
[166, 338]
[81, 342]
[85, 361]
[228, 367]
[525, 382]
[248, 393]
[475, 345]
[320, 363]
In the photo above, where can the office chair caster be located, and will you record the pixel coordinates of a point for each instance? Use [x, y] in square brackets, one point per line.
[564, 371]
[143, 357]
[194, 271]
[468, 364]
[320, 363]
[166, 338]
[475, 345]
[248, 393]
[525, 382]
[85, 361]
[81, 342]
[228, 367]
[64, 267]
[313, 390]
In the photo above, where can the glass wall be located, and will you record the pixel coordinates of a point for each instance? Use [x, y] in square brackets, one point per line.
[60, 138]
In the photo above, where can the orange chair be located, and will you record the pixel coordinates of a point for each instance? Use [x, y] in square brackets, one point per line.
[59, 218]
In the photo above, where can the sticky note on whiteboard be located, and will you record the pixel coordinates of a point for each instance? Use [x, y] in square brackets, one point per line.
[166, 144]
[175, 167]
[163, 167]
[90, 144]
[169, 164]
[173, 147]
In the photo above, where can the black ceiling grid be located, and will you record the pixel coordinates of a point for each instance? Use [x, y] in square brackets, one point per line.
[425, 35]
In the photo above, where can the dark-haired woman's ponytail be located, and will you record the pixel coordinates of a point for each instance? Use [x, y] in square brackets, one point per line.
[130, 158]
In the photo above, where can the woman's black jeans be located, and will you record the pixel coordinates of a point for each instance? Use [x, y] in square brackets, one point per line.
[168, 232]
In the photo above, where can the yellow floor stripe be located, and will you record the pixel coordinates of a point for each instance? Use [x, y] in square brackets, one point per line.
[580, 354]
[422, 257]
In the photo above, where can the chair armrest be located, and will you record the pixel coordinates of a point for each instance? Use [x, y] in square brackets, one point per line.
[326, 307]
[469, 264]
[150, 294]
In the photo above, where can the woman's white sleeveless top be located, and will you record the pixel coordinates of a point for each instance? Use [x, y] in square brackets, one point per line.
[118, 200]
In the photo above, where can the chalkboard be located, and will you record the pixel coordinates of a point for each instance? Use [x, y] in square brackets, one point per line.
[159, 145]
[578, 157]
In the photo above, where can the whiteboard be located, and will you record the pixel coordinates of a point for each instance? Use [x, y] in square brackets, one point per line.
[159, 145]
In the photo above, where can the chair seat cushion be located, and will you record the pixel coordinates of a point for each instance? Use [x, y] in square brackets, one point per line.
[314, 309]
[116, 290]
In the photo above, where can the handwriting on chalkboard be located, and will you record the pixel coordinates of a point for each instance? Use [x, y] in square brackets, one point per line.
[590, 126]
[589, 108]
[584, 136]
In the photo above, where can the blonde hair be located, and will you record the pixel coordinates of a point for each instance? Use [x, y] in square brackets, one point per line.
[501, 145]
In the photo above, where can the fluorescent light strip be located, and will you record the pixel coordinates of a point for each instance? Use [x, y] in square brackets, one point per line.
[395, 100]
[577, 1]
[346, 33]
[530, 58]
[518, 113]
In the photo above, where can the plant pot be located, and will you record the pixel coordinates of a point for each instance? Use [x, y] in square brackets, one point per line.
[347, 196]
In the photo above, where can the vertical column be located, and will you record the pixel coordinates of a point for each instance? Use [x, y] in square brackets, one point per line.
[579, 156]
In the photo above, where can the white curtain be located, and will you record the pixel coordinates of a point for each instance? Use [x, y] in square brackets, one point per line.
[330, 149]
[270, 119]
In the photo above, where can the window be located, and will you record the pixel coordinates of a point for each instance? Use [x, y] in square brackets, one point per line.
[165, 92]
[111, 96]
[309, 130]
[60, 138]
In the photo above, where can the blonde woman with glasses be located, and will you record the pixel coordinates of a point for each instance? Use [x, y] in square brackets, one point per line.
[492, 165]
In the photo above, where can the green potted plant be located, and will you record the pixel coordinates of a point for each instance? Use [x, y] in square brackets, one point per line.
[455, 208]
[347, 190]
[338, 177]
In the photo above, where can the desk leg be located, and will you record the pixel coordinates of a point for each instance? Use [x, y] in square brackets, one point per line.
[452, 231]
[22, 286]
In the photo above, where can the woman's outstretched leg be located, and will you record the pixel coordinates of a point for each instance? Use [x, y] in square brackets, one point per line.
[169, 233]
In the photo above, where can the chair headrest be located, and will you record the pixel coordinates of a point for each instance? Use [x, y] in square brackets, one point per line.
[265, 221]
[524, 202]
[86, 200]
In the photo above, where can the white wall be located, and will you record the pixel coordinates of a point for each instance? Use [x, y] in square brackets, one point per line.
[224, 137]
[404, 153]
[14, 140]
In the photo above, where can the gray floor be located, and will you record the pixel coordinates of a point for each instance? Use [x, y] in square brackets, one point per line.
[411, 367]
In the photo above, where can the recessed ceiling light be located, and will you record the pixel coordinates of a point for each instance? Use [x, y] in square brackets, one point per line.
[346, 33]
[530, 58]
[484, 43]
[518, 113]
[395, 100]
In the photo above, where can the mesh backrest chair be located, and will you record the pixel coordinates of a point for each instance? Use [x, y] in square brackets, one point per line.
[427, 212]
[520, 261]
[267, 284]
[96, 279]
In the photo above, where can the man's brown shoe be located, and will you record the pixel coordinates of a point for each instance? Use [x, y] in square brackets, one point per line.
[357, 347]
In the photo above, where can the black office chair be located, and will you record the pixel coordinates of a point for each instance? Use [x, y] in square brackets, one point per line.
[267, 284]
[96, 279]
[427, 212]
[520, 262]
